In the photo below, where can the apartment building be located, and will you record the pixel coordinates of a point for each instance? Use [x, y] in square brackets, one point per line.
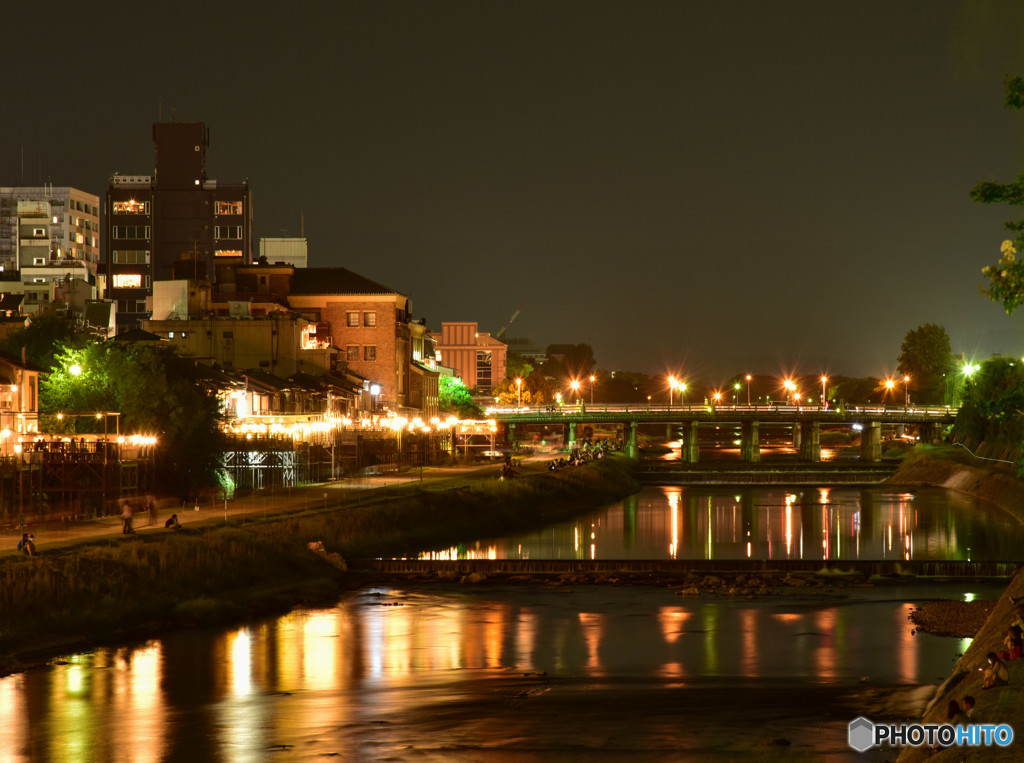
[176, 223]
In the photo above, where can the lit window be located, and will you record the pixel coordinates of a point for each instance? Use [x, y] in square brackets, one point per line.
[353, 320]
[228, 207]
[370, 319]
[352, 353]
[127, 281]
[227, 231]
[227, 252]
[131, 207]
[370, 352]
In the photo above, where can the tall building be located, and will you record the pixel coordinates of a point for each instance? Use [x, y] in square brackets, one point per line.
[47, 233]
[176, 223]
[478, 358]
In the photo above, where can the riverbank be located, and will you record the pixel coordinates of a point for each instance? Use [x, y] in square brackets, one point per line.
[111, 588]
[954, 470]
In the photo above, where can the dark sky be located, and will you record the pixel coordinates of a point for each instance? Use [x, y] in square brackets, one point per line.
[707, 188]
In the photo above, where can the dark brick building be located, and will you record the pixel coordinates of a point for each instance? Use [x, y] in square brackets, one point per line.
[174, 224]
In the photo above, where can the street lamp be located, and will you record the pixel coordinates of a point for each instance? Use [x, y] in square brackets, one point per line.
[736, 393]
[671, 388]
[906, 390]
[748, 390]
[682, 392]
[519, 393]
[575, 384]
[824, 380]
[790, 386]
[592, 379]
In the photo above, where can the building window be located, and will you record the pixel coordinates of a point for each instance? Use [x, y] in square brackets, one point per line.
[39, 232]
[38, 260]
[227, 252]
[352, 353]
[370, 352]
[127, 281]
[353, 320]
[129, 231]
[228, 207]
[130, 256]
[140, 305]
[130, 207]
[370, 319]
[227, 231]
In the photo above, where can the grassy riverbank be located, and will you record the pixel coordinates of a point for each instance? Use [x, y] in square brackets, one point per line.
[955, 470]
[121, 587]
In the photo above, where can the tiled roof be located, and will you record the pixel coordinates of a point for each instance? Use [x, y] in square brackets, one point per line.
[335, 281]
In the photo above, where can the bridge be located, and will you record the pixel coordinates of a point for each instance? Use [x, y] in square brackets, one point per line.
[805, 423]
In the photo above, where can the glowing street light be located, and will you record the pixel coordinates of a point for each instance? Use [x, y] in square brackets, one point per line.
[906, 391]
[824, 381]
[681, 386]
[790, 386]
[748, 390]
[519, 393]
[75, 370]
[575, 384]
[671, 389]
[735, 394]
[592, 380]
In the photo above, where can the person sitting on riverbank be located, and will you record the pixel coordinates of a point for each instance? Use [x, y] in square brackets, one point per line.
[955, 715]
[996, 674]
[172, 523]
[972, 716]
[27, 544]
[1013, 643]
[1019, 611]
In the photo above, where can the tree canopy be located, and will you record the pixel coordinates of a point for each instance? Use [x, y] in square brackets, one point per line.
[454, 397]
[1006, 277]
[927, 358]
[151, 388]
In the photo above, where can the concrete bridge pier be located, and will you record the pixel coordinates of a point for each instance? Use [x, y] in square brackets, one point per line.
[689, 449]
[750, 444]
[632, 449]
[571, 440]
[797, 435]
[871, 442]
[931, 434]
[810, 436]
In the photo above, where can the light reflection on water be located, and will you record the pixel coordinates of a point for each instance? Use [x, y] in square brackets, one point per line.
[392, 670]
[815, 523]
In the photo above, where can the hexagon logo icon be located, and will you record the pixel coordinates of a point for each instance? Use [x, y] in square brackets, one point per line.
[861, 734]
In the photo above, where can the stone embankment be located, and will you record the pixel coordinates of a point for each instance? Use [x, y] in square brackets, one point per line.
[1000, 486]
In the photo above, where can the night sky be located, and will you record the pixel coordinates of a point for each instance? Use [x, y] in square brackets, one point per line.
[704, 188]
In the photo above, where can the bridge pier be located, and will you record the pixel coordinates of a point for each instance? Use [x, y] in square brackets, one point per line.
[810, 435]
[572, 434]
[632, 449]
[797, 436]
[750, 443]
[871, 442]
[931, 434]
[689, 448]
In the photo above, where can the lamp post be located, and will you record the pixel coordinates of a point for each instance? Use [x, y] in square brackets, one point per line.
[790, 386]
[575, 384]
[748, 390]
[736, 392]
[682, 392]
[592, 379]
[519, 393]
[889, 385]
[906, 391]
[671, 388]
[824, 380]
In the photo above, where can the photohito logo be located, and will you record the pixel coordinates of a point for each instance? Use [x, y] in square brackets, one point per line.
[864, 734]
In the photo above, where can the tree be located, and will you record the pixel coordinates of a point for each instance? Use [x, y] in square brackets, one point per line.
[536, 389]
[993, 405]
[454, 397]
[43, 338]
[152, 389]
[1006, 277]
[516, 366]
[927, 358]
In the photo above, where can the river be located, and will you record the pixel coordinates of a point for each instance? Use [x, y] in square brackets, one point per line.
[511, 673]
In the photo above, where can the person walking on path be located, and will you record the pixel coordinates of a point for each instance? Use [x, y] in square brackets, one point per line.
[126, 519]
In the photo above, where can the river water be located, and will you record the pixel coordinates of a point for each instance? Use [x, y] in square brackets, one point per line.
[512, 673]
